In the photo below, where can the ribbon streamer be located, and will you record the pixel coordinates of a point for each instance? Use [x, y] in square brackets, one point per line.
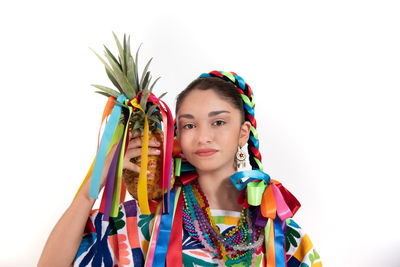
[164, 235]
[110, 184]
[119, 188]
[165, 179]
[276, 205]
[153, 239]
[104, 144]
[174, 253]
[142, 183]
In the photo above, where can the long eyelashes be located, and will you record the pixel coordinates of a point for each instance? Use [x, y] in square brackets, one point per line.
[189, 126]
[219, 123]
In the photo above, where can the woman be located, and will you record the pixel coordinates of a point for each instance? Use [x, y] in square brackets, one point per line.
[215, 223]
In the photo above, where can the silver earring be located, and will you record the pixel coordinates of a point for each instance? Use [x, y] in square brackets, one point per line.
[240, 158]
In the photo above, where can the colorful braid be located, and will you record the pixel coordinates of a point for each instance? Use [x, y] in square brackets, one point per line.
[248, 103]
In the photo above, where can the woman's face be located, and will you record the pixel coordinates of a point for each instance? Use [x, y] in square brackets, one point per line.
[210, 130]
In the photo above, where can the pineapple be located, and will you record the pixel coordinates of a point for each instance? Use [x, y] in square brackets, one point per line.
[123, 73]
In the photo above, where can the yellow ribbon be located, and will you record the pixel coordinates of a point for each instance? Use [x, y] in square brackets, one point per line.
[142, 183]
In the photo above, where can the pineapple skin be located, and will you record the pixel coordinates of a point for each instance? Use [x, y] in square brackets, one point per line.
[154, 164]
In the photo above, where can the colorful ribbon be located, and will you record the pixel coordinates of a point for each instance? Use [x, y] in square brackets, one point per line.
[276, 205]
[119, 188]
[142, 183]
[160, 237]
[153, 239]
[104, 145]
[109, 189]
[117, 133]
[174, 253]
[168, 123]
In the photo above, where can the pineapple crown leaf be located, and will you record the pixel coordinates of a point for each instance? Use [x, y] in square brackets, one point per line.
[131, 74]
[106, 90]
[123, 72]
[150, 110]
[136, 72]
[143, 100]
[108, 68]
[111, 77]
[114, 71]
[144, 84]
[103, 93]
[151, 87]
[121, 53]
[119, 103]
[121, 78]
[112, 56]
[163, 94]
[145, 72]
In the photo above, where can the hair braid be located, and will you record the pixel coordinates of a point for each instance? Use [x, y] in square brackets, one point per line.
[248, 103]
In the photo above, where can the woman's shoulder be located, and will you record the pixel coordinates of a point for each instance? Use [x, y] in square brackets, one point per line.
[299, 248]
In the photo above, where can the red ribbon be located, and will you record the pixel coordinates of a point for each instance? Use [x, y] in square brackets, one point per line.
[174, 254]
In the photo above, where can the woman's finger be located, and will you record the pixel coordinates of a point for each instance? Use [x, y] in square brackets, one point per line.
[137, 153]
[137, 142]
[136, 134]
[133, 153]
[132, 167]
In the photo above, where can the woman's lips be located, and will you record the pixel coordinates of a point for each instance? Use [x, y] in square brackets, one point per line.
[205, 152]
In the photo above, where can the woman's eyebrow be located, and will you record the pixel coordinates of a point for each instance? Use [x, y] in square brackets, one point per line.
[211, 114]
[187, 116]
[215, 113]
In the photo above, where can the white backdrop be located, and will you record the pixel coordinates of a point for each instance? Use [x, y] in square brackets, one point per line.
[325, 76]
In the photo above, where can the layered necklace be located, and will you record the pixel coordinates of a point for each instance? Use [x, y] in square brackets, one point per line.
[238, 245]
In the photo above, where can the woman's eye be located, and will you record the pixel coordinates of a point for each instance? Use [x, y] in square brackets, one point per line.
[219, 123]
[188, 126]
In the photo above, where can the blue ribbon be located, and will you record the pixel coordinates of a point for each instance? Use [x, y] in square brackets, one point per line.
[252, 175]
[187, 167]
[279, 240]
[104, 144]
[164, 234]
[254, 141]
[204, 75]
[249, 110]
[241, 82]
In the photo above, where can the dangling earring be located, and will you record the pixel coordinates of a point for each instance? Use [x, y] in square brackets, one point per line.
[240, 158]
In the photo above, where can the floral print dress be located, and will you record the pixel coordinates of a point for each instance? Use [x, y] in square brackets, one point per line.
[123, 241]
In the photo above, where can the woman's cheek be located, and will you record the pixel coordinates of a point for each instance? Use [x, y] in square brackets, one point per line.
[183, 144]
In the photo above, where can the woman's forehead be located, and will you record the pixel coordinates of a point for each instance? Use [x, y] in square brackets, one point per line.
[204, 102]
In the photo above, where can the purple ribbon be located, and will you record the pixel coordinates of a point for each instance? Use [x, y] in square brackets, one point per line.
[110, 182]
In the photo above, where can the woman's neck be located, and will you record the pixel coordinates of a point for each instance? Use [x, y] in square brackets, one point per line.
[221, 194]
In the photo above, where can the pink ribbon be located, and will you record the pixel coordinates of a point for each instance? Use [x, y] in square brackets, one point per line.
[153, 242]
[282, 209]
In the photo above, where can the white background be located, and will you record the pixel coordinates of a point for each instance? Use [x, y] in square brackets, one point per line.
[325, 76]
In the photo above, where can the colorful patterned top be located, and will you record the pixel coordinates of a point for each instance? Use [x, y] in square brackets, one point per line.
[123, 241]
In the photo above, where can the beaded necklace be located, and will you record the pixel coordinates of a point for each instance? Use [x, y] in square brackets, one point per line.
[240, 244]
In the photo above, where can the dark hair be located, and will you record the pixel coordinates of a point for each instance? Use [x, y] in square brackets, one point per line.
[224, 89]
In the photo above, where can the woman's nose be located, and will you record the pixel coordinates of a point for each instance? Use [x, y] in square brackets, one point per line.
[204, 135]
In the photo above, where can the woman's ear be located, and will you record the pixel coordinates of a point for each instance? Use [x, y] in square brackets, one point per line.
[244, 134]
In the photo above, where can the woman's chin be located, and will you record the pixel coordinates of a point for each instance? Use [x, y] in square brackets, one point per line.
[210, 168]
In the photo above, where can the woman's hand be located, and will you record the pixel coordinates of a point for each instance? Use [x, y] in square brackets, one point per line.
[134, 151]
